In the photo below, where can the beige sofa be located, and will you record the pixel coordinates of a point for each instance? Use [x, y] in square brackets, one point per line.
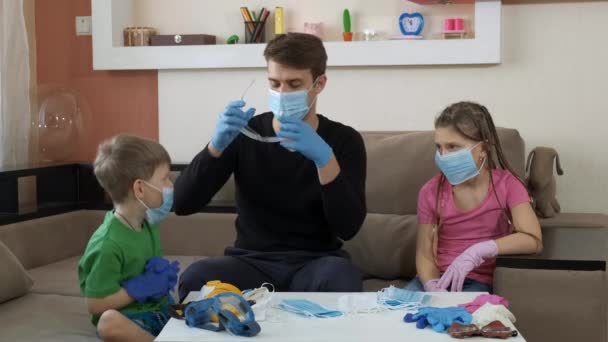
[398, 164]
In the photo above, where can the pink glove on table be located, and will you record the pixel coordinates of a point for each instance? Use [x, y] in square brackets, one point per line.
[483, 299]
[433, 286]
[466, 262]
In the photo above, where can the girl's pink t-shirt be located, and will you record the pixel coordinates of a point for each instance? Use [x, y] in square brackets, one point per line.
[461, 229]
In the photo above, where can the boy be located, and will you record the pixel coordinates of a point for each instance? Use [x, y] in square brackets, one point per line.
[122, 274]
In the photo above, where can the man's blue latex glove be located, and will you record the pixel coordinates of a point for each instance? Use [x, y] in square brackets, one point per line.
[161, 265]
[229, 124]
[149, 285]
[303, 138]
[440, 319]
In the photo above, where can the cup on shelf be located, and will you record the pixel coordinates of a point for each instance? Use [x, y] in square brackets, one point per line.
[255, 32]
[449, 24]
[459, 24]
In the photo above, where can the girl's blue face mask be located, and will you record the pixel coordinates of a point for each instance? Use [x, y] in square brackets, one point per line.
[156, 215]
[291, 105]
[458, 167]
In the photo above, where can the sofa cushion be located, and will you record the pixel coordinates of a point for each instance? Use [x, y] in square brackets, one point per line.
[198, 234]
[397, 167]
[59, 278]
[49, 239]
[49, 318]
[62, 277]
[14, 280]
[385, 247]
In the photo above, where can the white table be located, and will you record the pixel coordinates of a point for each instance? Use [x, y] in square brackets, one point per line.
[282, 326]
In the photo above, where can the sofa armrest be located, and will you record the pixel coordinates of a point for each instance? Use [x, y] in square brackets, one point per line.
[575, 220]
[555, 305]
[565, 283]
[50, 239]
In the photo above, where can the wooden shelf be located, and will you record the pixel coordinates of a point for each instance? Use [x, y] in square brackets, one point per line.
[442, 2]
[483, 49]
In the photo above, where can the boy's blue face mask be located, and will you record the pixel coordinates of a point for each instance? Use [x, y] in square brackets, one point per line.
[156, 215]
[307, 308]
[292, 105]
[458, 167]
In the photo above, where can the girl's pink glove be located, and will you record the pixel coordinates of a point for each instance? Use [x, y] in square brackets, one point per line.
[466, 262]
[483, 299]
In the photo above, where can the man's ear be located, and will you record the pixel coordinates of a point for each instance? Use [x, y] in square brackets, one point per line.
[321, 82]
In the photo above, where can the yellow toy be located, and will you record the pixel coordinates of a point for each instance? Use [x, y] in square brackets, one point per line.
[215, 287]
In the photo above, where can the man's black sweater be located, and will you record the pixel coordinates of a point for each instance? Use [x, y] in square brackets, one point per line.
[280, 202]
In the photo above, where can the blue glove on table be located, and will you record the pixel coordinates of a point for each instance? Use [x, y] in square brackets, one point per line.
[303, 138]
[229, 124]
[440, 319]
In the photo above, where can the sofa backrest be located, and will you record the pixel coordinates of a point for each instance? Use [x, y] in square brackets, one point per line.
[50, 239]
[398, 164]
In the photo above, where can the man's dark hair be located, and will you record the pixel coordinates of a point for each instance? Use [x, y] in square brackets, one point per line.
[298, 51]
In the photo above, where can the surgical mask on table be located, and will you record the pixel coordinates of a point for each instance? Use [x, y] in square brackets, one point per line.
[304, 307]
[359, 304]
[261, 296]
[395, 298]
[250, 132]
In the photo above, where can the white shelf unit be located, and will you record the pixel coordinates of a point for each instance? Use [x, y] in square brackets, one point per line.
[107, 30]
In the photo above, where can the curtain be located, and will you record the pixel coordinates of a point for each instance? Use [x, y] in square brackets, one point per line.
[15, 111]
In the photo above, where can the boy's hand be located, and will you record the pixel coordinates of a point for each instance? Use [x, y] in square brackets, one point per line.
[147, 285]
[162, 265]
[158, 280]
[159, 265]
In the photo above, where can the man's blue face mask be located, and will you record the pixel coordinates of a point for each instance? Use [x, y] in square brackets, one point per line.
[458, 167]
[292, 105]
[307, 308]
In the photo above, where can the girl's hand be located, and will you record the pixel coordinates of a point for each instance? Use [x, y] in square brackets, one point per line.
[466, 262]
[433, 286]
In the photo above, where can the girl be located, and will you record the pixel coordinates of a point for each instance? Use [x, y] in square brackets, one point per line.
[473, 211]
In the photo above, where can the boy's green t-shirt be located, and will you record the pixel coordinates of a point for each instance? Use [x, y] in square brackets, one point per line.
[114, 254]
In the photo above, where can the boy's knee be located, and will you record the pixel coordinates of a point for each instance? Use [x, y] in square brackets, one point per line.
[109, 325]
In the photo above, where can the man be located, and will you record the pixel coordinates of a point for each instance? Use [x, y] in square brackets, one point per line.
[298, 199]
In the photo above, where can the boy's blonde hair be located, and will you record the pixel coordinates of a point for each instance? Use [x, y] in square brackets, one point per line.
[124, 159]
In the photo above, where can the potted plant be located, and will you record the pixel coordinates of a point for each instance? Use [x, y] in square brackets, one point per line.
[347, 34]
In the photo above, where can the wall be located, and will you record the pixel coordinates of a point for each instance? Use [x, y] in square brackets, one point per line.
[551, 86]
[119, 102]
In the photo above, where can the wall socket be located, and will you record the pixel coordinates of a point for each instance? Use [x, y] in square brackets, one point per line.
[83, 26]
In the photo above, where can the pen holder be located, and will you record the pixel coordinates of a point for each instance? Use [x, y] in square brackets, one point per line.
[255, 32]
